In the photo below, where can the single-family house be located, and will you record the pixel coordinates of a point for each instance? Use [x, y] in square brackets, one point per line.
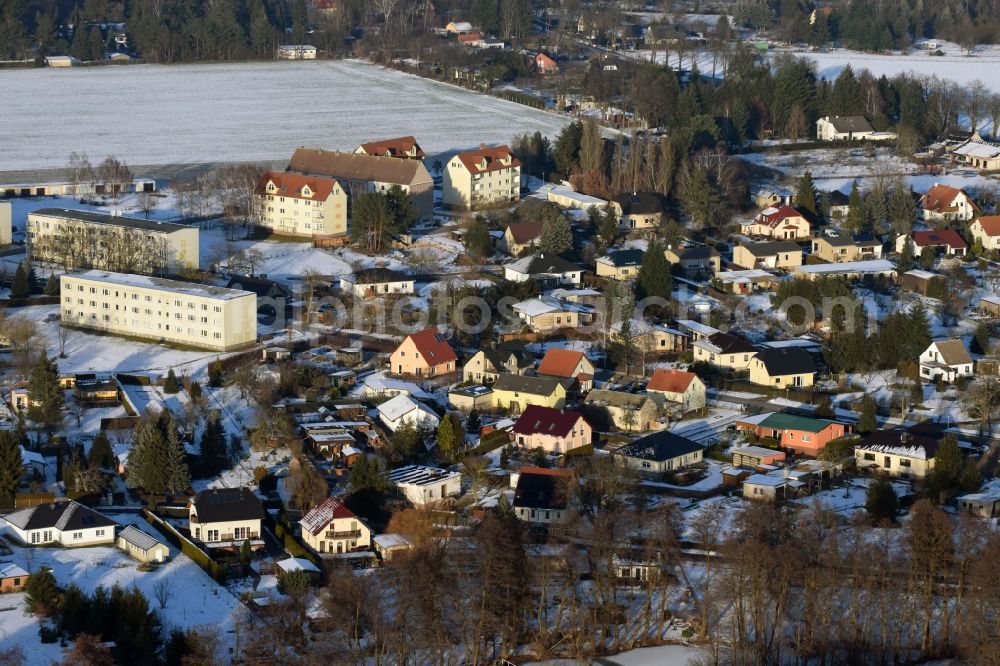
[986, 229]
[570, 366]
[483, 178]
[517, 392]
[423, 485]
[468, 397]
[990, 305]
[459, 28]
[622, 410]
[544, 65]
[549, 269]
[63, 522]
[12, 577]
[843, 128]
[783, 367]
[141, 545]
[660, 452]
[519, 236]
[846, 248]
[402, 408]
[404, 147]
[755, 457]
[745, 281]
[697, 261]
[724, 351]
[552, 430]
[620, 264]
[781, 223]
[372, 282]
[679, 387]
[423, 354]
[946, 360]
[638, 210]
[543, 496]
[226, 517]
[330, 527]
[978, 154]
[296, 52]
[773, 254]
[945, 242]
[486, 364]
[771, 486]
[546, 314]
[652, 338]
[802, 435]
[897, 453]
[839, 205]
[944, 203]
[985, 503]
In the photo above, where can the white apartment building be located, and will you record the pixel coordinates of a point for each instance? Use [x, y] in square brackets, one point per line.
[298, 205]
[77, 239]
[481, 178]
[157, 309]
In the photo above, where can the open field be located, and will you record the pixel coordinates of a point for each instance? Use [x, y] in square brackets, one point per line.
[181, 114]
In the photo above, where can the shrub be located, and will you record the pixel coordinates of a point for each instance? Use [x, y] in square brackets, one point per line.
[293, 583]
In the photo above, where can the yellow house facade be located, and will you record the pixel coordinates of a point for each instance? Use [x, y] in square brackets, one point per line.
[481, 178]
[516, 392]
[298, 205]
[330, 527]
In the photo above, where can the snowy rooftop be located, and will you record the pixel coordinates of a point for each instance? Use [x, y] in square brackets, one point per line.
[162, 284]
[697, 326]
[401, 405]
[872, 266]
[419, 475]
[580, 198]
[297, 564]
[390, 541]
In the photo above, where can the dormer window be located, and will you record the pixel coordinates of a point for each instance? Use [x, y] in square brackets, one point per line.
[482, 163]
[270, 187]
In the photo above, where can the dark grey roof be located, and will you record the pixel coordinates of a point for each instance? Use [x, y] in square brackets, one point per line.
[549, 263]
[626, 257]
[262, 287]
[114, 220]
[640, 203]
[850, 124]
[225, 504]
[697, 252]
[64, 515]
[133, 535]
[730, 344]
[379, 275]
[523, 384]
[659, 447]
[838, 198]
[786, 361]
[771, 248]
[542, 490]
[846, 241]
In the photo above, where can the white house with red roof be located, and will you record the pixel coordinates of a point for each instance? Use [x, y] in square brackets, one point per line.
[944, 203]
[986, 230]
[297, 205]
[330, 527]
[947, 242]
[567, 364]
[677, 386]
[423, 354]
[474, 179]
[553, 430]
[545, 65]
[781, 222]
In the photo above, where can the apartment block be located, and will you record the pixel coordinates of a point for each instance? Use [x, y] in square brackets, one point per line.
[481, 178]
[158, 309]
[77, 239]
[297, 205]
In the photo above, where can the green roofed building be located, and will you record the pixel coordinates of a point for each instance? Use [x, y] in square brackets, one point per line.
[801, 435]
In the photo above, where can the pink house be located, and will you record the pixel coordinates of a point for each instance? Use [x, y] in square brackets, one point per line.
[423, 354]
[545, 65]
[554, 430]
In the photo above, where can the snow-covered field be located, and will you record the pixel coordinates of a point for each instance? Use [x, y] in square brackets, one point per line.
[160, 114]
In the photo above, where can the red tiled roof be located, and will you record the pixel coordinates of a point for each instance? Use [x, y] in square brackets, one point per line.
[772, 217]
[469, 37]
[538, 420]
[473, 158]
[433, 346]
[990, 224]
[525, 232]
[398, 147]
[317, 519]
[291, 184]
[559, 362]
[947, 237]
[669, 380]
[547, 471]
[543, 61]
[941, 197]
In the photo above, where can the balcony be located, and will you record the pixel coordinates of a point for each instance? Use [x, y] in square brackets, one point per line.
[350, 534]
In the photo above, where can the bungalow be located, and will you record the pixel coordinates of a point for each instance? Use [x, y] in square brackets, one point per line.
[846, 248]
[699, 261]
[986, 230]
[978, 154]
[781, 223]
[519, 236]
[745, 281]
[422, 485]
[620, 265]
[755, 457]
[371, 282]
[802, 435]
[330, 527]
[660, 452]
[567, 364]
[897, 453]
[943, 203]
[677, 386]
[486, 364]
[783, 367]
[773, 254]
[625, 411]
[63, 522]
[471, 397]
[548, 269]
[990, 305]
[947, 242]
[985, 503]
[396, 411]
[423, 354]
[946, 360]
[226, 518]
[771, 487]
[843, 128]
[142, 546]
[638, 210]
[543, 496]
[12, 577]
[552, 430]
[850, 270]
[566, 197]
[546, 314]
[724, 351]
[517, 392]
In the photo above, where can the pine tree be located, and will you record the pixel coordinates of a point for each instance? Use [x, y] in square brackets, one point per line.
[805, 196]
[473, 423]
[171, 385]
[101, 455]
[567, 149]
[906, 257]
[654, 279]
[477, 238]
[52, 285]
[556, 236]
[856, 214]
[215, 374]
[902, 209]
[868, 421]
[41, 592]
[447, 439]
[881, 502]
[19, 287]
[47, 398]
[11, 468]
[214, 454]
[947, 466]
[927, 258]
[178, 474]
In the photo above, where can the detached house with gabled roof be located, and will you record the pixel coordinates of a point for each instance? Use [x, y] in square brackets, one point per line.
[297, 205]
[566, 364]
[638, 210]
[519, 236]
[404, 147]
[549, 269]
[481, 178]
[697, 261]
[944, 203]
[773, 254]
[846, 248]
[897, 453]
[781, 223]
[986, 229]
[677, 386]
[543, 495]
[403, 409]
[620, 264]
[801, 435]
[423, 354]
[63, 522]
[724, 351]
[946, 360]
[517, 392]
[622, 410]
[660, 452]
[783, 367]
[552, 430]
[545, 65]
[330, 527]
[945, 242]
[843, 128]
[226, 517]
[485, 365]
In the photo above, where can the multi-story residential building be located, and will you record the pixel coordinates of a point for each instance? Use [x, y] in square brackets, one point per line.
[330, 527]
[404, 147]
[481, 178]
[297, 205]
[359, 173]
[780, 223]
[6, 223]
[152, 308]
[77, 239]
[225, 518]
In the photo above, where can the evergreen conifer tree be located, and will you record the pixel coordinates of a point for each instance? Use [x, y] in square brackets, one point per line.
[52, 285]
[214, 454]
[47, 398]
[556, 236]
[41, 592]
[11, 468]
[101, 456]
[215, 374]
[654, 273]
[19, 287]
[805, 196]
[171, 385]
[881, 502]
[906, 257]
[868, 421]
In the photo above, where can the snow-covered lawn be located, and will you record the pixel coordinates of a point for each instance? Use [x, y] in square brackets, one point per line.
[243, 111]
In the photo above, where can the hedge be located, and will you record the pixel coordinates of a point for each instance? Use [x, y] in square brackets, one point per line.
[490, 442]
[285, 535]
[200, 557]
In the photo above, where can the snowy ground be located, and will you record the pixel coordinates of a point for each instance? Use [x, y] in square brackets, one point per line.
[206, 112]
